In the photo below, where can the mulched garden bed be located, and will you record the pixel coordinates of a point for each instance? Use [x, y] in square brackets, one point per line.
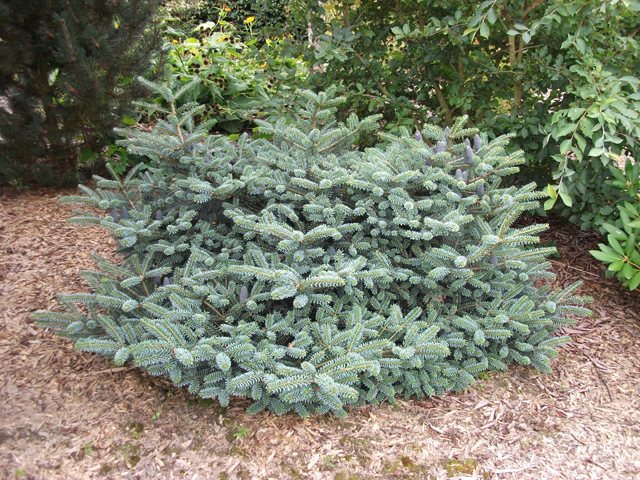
[68, 415]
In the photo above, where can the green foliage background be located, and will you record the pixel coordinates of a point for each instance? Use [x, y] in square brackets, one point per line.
[560, 75]
[236, 80]
[270, 15]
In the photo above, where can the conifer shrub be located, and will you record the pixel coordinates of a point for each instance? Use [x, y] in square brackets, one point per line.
[66, 74]
[307, 275]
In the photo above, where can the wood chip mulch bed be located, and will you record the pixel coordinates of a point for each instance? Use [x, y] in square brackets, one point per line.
[67, 415]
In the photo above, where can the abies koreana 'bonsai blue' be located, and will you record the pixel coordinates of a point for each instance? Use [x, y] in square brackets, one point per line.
[307, 275]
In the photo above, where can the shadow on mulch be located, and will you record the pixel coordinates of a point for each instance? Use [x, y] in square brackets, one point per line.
[69, 415]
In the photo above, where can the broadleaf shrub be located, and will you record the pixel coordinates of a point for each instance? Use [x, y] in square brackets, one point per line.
[561, 76]
[268, 15]
[622, 251]
[235, 80]
[308, 275]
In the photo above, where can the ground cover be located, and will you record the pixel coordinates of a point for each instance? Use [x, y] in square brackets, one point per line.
[67, 414]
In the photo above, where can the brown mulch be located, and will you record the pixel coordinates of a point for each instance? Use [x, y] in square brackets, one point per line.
[68, 415]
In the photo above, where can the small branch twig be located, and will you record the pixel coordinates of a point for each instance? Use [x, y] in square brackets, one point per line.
[600, 376]
[110, 370]
[573, 268]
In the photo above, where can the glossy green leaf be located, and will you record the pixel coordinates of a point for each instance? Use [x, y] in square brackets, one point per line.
[551, 192]
[565, 129]
[615, 244]
[630, 245]
[605, 256]
[484, 30]
[612, 229]
[581, 142]
[548, 205]
[616, 266]
[491, 16]
[634, 282]
[628, 271]
[564, 195]
[576, 112]
[596, 152]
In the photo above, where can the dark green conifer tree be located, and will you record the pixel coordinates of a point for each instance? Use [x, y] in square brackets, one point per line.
[65, 67]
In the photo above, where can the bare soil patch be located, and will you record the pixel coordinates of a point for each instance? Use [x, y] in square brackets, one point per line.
[68, 415]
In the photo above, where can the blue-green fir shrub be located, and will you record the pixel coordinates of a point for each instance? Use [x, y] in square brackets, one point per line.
[307, 275]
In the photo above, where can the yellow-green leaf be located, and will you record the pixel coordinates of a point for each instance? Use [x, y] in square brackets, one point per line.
[551, 192]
